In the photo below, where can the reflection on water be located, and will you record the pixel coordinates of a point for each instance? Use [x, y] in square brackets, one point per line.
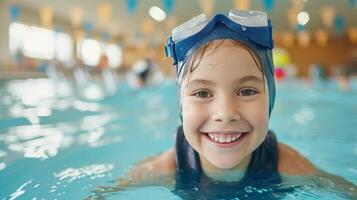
[86, 106]
[36, 101]
[19, 191]
[32, 92]
[2, 166]
[92, 171]
[93, 92]
[44, 141]
[304, 116]
[39, 122]
[35, 141]
[95, 121]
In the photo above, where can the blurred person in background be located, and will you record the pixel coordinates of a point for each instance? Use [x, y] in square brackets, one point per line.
[144, 73]
[316, 72]
[108, 76]
[346, 72]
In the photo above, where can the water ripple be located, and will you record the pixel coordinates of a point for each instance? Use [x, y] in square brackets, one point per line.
[92, 171]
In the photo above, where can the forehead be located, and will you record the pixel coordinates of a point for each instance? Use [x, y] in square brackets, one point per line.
[228, 59]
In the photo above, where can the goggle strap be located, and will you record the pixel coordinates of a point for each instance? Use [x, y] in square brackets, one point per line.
[170, 49]
[271, 34]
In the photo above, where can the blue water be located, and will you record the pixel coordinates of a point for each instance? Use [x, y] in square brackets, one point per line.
[58, 143]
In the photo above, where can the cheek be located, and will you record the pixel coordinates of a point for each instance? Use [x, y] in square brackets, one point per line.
[258, 114]
[192, 118]
[261, 112]
[190, 114]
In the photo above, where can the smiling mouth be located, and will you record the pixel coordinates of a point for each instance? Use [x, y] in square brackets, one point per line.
[221, 138]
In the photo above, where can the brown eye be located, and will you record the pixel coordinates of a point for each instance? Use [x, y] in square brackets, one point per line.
[202, 94]
[247, 92]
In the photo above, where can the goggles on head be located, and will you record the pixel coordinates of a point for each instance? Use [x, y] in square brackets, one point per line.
[245, 26]
[251, 28]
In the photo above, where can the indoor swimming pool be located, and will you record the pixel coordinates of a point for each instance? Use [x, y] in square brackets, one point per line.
[58, 143]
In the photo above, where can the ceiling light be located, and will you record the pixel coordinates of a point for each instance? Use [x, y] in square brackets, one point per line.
[303, 17]
[157, 13]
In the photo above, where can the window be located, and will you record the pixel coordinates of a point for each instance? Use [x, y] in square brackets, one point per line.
[40, 43]
[64, 47]
[114, 54]
[16, 34]
[90, 50]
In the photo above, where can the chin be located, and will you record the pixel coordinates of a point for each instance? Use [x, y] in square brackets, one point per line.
[224, 162]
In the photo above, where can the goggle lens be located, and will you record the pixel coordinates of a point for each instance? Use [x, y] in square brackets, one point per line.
[246, 18]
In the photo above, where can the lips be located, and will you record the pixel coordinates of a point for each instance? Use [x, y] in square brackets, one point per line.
[225, 138]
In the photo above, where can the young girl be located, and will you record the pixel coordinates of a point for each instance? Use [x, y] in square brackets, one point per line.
[226, 86]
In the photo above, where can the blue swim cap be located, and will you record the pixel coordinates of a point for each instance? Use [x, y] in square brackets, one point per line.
[257, 38]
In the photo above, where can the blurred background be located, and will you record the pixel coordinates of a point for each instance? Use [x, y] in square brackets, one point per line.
[307, 34]
[86, 91]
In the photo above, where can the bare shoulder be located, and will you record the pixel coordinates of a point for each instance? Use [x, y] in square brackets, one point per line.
[292, 162]
[153, 168]
[163, 163]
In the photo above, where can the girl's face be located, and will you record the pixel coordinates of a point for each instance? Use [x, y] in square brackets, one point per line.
[225, 106]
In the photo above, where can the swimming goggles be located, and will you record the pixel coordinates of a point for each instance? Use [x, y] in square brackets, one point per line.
[249, 26]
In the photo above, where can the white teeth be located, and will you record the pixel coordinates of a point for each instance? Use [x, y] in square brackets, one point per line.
[228, 139]
[238, 136]
[213, 137]
[221, 139]
[224, 139]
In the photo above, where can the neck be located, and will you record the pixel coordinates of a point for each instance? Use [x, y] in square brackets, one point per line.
[234, 174]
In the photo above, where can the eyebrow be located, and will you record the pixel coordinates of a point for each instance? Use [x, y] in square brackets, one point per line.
[250, 78]
[239, 81]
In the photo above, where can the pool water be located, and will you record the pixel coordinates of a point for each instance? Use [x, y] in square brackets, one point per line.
[60, 143]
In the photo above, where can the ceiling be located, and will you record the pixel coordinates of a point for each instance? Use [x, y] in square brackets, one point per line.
[126, 23]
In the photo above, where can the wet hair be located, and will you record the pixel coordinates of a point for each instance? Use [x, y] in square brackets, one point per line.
[195, 58]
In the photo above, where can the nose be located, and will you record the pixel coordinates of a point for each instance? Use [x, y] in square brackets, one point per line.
[226, 110]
